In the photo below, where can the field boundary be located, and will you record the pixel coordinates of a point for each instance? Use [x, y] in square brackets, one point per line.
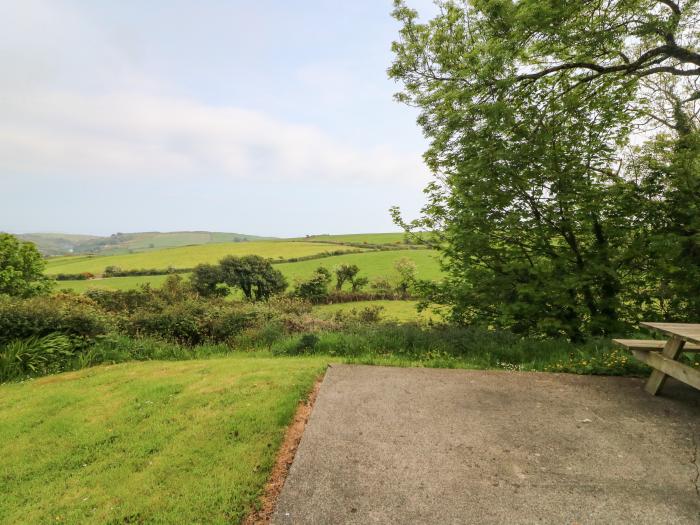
[284, 460]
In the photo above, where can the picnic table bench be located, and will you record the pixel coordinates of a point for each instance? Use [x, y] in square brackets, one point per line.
[663, 356]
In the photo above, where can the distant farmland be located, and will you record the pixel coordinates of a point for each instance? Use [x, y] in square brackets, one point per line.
[183, 257]
[368, 238]
[371, 264]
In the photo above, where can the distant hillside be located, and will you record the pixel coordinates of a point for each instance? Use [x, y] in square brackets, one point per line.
[368, 238]
[63, 244]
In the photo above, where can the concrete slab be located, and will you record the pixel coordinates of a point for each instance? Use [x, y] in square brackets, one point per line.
[397, 445]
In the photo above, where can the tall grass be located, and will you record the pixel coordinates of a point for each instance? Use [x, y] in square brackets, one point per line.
[461, 347]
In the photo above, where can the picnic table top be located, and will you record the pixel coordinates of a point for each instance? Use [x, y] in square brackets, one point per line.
[687, 331]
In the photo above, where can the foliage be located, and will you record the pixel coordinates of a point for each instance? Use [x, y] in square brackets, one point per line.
[255, 276]
[74, 316]
[74, 276]
[529, 107]
[406, 269]
[669, 169]
[343, 273]
[314, 289]
[36, 356]
[459, 347]
[358, 283]
[190, 323]
[21, 268]
[116, 271]
[206, 280]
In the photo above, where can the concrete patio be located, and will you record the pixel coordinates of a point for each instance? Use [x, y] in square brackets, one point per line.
[398, 445]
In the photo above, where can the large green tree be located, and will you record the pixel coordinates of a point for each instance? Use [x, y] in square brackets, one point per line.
[253, 274]
[21, 268]
[529, 107]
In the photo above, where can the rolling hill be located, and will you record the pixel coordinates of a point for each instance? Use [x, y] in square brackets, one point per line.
[183, 256]
[52, 244]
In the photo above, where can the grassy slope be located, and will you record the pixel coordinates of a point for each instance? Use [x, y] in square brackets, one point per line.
[157, 240]
[372, 264]
[370, 238]
[183, 257]
[155, 442]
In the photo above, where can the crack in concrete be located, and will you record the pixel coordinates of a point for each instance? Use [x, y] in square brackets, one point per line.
[694, 462]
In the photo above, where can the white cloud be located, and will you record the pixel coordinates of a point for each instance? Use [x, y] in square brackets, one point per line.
[74, 104]
[148, 135]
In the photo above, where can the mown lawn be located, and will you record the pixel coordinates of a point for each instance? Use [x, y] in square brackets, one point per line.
[147, 442]
[183, 257]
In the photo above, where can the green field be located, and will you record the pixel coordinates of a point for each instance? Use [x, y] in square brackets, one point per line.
[157, 240]
[369, 238]
[113, 283]
[65, 244]
[371, 264]
[401, 311]
[183, 257]
[148, 442]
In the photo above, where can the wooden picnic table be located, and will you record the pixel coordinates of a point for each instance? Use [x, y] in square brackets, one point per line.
[663, 356]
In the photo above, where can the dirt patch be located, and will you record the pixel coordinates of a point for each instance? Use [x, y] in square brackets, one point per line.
[284, 460]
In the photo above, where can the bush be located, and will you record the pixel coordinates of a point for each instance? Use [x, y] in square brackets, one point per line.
[116, 271]
[314, 290]
[84, 276]
[66, 314]
[190, 323]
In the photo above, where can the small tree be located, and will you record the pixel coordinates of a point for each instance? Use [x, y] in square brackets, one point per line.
[407, 274]
[358, 283]
[21, 268]
[206, 280]
[254, 275]
[343, 273]
[316, 288]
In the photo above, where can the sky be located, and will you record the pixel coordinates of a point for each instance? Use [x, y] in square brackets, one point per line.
[261, 117]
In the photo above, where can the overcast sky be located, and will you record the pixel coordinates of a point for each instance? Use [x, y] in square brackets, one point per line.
[258, 116]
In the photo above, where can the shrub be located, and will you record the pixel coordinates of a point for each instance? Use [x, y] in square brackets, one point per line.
[190, 322]
[315, 290]
[67, 314]
[84, 276]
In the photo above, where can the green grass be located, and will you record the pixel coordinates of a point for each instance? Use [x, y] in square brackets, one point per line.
[182, 257]
[372, 264]
[158, 240]
[369, 238]
[400, 311]
[147, 442]
[113, 283]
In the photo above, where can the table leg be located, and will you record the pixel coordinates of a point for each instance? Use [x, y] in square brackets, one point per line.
[672, 350]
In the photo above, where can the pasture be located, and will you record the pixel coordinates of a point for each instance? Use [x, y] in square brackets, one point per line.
[158, 240]
[149, 442]
[183, 257]
[369, 238]
[371, 264]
